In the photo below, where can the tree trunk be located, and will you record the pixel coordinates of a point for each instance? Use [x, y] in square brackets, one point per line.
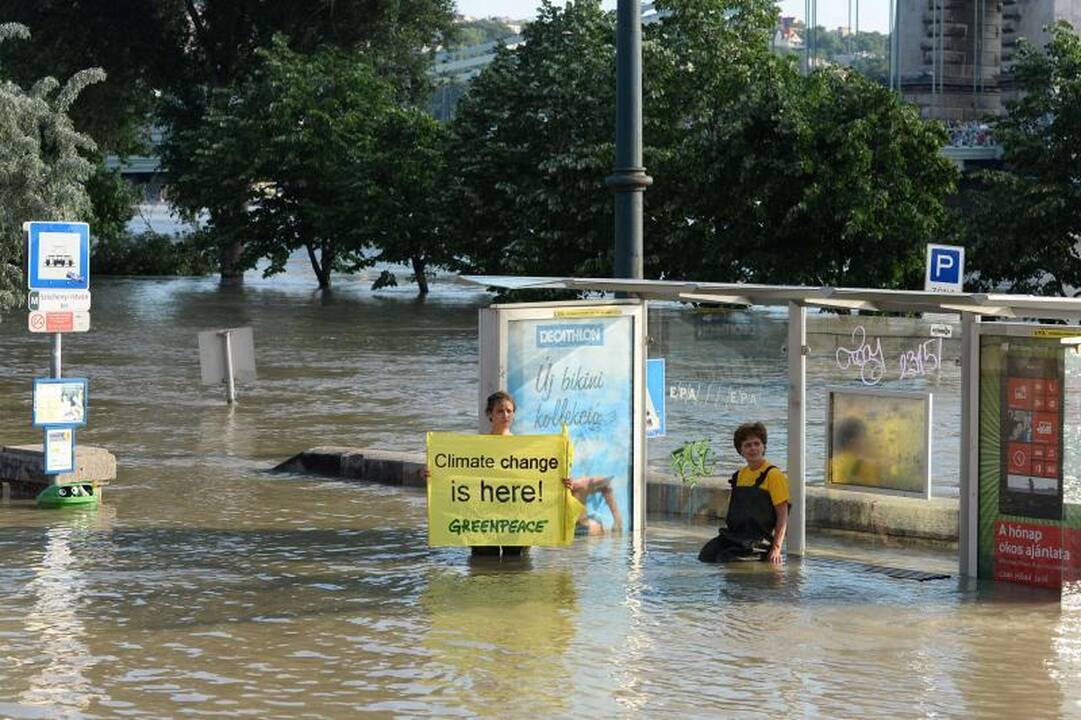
[231, 274]
[418, 272]
[321, 265]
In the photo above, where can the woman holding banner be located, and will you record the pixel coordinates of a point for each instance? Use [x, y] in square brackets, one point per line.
[500, 409]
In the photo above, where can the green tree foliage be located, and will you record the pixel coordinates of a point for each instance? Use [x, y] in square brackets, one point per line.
[135, 42]
[760, 174]
[530, 146]
[778, 178]
[315, 153]
[1025, 222]
[713, 92]
[218, 50]
[819, 180]
[151, 253]
[409, 215]
[112, 201]
[43, 168]
[182, 47]
[860, 196]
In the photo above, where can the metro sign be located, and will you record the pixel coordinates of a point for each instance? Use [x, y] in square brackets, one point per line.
[58, 300]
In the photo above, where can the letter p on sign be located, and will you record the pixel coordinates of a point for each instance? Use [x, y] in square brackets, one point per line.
[945, 269]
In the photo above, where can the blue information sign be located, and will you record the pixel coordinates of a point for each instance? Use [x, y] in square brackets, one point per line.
[655, 397]
[58, 256]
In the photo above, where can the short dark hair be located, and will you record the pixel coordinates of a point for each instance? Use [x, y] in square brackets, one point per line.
[749, 430]
[497, 397]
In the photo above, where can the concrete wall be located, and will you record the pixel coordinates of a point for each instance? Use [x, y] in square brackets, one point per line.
[935, 519]
[21, 468]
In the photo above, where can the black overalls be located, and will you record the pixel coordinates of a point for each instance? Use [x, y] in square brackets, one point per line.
[749, 523]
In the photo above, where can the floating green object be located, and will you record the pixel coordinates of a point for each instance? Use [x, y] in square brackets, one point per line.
[69, 495]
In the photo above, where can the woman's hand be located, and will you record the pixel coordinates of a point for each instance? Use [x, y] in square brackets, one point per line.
[568, 483]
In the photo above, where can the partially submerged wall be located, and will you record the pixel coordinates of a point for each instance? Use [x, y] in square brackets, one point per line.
[935, 519]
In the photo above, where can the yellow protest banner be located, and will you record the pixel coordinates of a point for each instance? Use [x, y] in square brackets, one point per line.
[499, 490]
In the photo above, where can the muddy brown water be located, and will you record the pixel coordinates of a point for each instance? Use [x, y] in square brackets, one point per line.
[205, 587]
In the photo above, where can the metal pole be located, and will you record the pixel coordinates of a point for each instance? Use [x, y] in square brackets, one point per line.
[975, 45]
[806, 36]
[230, 387]
[797, 426]
[934, 52]
[969, 481]
[55, 371]
[890, 60]
[897, 30]
[628, 179]
[55, 365]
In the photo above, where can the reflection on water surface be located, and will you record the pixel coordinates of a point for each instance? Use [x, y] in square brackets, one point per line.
[204, 586]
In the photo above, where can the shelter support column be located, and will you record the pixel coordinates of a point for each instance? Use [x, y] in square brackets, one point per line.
[797, 426]
[969, 482]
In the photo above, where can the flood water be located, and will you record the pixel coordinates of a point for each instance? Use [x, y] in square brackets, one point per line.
[204, 586]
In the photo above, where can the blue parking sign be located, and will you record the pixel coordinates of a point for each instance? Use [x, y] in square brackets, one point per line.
[945, 268]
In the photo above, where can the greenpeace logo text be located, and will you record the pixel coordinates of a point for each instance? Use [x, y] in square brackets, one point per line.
[570, 335]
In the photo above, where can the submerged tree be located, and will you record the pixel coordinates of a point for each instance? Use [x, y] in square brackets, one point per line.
[322, 158]
[214, 49]
[43, 168]
[409, 215]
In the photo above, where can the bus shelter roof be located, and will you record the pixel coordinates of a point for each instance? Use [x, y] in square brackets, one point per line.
[899, 301]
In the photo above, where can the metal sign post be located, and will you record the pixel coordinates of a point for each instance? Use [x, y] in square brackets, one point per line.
[226, 356]
[58, 280]
[55, 362]
[230, 385]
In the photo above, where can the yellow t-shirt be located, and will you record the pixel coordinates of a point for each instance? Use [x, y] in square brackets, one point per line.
[776, 482]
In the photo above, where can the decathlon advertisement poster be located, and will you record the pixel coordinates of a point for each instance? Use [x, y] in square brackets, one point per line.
[576, 370]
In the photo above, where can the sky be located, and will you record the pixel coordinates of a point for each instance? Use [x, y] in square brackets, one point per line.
[874, 14]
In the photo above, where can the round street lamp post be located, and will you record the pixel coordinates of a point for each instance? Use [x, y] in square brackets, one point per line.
[628, 179]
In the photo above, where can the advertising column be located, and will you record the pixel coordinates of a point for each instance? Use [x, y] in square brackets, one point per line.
[575, 367]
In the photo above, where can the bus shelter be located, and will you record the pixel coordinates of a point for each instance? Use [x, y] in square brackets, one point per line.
[1020, 405]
